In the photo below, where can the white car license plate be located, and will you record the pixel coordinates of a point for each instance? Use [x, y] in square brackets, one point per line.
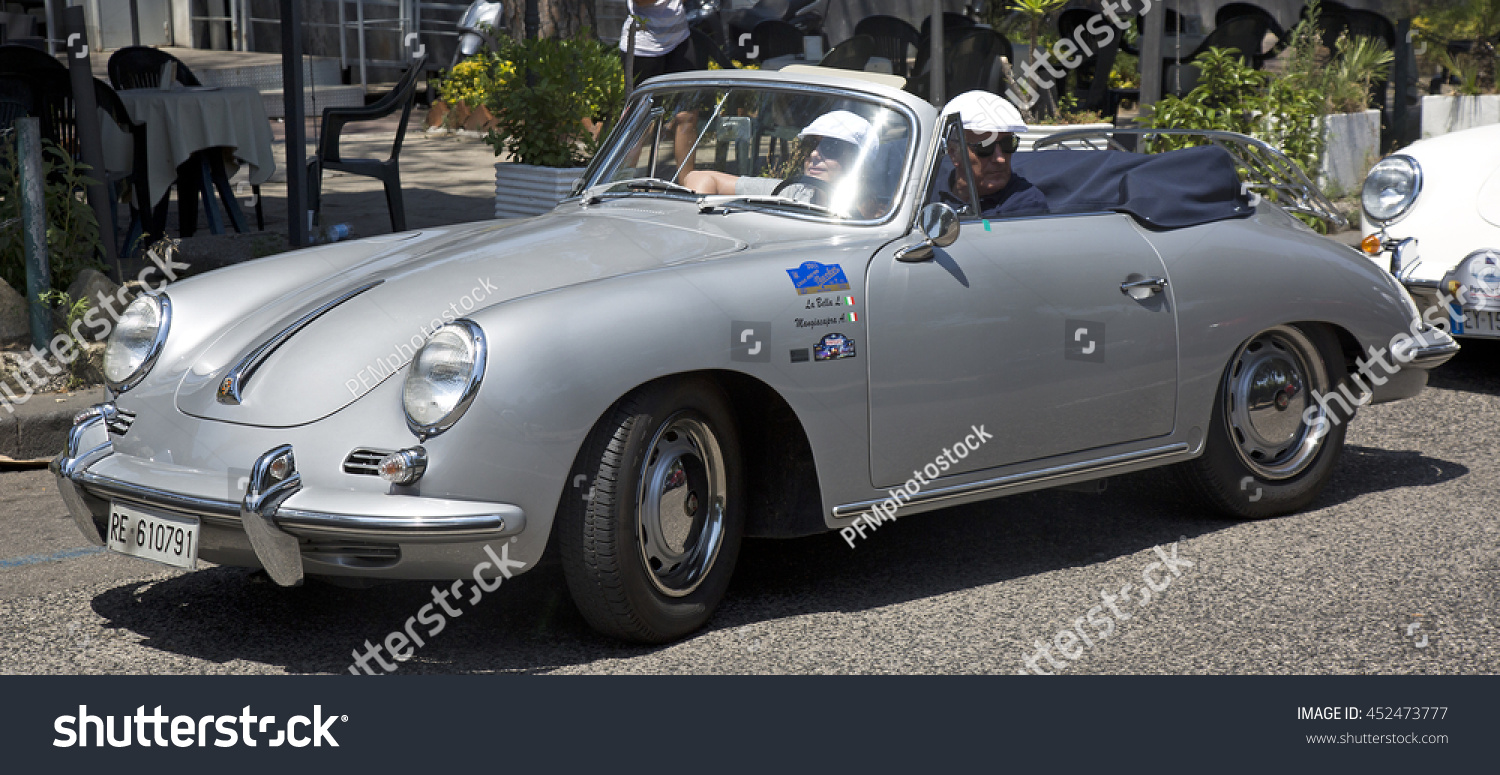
[1483, 323]
[170, 540]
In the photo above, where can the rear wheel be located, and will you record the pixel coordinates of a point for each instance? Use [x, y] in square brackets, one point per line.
[1272, 445]
[649, 549]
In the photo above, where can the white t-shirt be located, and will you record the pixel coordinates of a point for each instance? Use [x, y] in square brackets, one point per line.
[666, 26]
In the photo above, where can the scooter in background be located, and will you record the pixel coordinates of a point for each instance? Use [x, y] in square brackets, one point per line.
[474, 29]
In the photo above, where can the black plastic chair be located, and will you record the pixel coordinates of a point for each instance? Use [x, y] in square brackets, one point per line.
[19, 59]
[776, 38]
[951, 22]
[974, 62]
[852, 54]
[139, 67]
[1069, 23]
[894, 39]
[1236, 10]
[388, 172]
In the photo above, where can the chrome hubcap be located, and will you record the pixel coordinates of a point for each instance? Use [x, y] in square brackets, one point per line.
[1271, 385]
[681, 509]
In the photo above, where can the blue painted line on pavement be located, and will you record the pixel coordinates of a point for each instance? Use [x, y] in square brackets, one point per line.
[66, 554]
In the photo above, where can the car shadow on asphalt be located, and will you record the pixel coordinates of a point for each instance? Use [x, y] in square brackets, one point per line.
[223, 614]
[1475, 369]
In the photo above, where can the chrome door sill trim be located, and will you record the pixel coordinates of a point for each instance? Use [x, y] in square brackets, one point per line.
[1013, 481]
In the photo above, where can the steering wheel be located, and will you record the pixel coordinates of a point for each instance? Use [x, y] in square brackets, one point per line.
[822, 192]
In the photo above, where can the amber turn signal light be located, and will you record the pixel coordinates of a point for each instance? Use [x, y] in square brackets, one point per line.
[1370, 244]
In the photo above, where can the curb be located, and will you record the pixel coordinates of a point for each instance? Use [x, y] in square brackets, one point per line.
[38, 429]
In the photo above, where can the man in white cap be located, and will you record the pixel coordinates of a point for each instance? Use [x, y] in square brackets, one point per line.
[990, 125]
[832, 146]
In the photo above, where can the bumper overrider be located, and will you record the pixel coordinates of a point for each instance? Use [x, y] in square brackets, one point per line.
[382, 535]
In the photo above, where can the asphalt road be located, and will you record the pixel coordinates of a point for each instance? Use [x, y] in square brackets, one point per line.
[1395, 570]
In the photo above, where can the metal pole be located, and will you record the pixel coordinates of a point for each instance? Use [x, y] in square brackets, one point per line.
[1401, 76]
[533, 19]
[296, 123]
[359, 15]
[90, 146]
[34, 227]
[135, 23]
[935, 57]
[51, 28]
[1154, 22]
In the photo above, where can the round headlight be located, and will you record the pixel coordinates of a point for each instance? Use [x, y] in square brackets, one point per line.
[1391, 187]
[443, 378]
[136, 341]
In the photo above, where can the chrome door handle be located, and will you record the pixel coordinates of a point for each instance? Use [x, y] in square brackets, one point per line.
[1153, 284]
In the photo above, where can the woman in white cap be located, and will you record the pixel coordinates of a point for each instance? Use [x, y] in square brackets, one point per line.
[832, 146]
[990, 125]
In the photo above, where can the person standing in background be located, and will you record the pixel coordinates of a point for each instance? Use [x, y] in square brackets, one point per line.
[663, 45]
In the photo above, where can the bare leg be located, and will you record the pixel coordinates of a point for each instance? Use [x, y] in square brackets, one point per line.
[685, 125]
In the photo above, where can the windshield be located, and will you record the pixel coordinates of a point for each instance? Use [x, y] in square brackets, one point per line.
[794, 151]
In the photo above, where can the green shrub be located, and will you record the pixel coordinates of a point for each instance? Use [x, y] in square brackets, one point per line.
[72, 231]
[540, 110]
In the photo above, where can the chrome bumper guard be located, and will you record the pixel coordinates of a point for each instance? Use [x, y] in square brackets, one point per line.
[1430, 350]
[261, 513]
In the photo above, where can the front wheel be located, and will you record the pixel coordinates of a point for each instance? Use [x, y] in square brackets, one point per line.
[1272, 445]
[648, 549]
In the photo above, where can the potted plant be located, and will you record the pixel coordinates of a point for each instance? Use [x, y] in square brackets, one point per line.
[547, 107]
[1469, 96]
[462, 91]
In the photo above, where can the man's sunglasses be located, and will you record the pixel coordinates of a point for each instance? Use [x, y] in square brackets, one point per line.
[829, 148]
[1008, 144]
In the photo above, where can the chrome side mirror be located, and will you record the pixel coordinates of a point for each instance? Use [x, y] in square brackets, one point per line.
[939, 223]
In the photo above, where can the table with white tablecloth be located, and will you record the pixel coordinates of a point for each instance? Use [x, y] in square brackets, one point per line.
[182, 121]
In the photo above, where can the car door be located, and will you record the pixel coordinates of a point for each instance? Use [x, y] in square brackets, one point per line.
[1020, 327]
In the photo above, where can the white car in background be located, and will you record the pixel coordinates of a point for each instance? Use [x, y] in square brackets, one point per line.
[1431, 215]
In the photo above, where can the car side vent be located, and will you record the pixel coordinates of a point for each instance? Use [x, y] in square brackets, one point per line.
[365, 462]
[119, 422]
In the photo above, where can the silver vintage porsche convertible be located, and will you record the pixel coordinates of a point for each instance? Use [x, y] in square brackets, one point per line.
[650, 372]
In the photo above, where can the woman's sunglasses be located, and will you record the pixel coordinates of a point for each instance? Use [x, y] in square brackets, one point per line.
[829, 148]
[1008, 144]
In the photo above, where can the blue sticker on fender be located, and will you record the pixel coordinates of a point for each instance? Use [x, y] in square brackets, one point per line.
[813, 277]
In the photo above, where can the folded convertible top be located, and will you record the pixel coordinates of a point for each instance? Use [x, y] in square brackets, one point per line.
[1166, 190]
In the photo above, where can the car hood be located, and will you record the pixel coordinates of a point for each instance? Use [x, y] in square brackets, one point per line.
[325, 343]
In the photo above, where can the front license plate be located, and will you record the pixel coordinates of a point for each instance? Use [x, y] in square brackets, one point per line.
[1482, 323]
[170, 540]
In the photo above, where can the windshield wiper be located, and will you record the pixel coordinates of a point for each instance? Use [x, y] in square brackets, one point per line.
[596, 194]
[726, 201]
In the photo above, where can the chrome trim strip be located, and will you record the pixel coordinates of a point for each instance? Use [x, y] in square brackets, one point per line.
[394, 529]
[1017, 480]
[477, 525]
[1435, 355]
[115, 489]
[234, 383]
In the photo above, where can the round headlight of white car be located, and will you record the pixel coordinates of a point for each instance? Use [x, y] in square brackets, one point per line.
[1391, 187]
[136, 341]
[443, 378]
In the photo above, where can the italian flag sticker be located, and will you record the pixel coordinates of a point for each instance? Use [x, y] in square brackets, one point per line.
[849, 300]
[853, 317]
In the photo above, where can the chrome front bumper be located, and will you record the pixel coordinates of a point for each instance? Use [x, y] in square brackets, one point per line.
[396, 536]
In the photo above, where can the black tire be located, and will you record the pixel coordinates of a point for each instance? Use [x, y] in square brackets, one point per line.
[620, 553]
[1241, 474]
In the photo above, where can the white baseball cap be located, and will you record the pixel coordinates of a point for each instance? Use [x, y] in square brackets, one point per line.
[986, 113]
[843, 125]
